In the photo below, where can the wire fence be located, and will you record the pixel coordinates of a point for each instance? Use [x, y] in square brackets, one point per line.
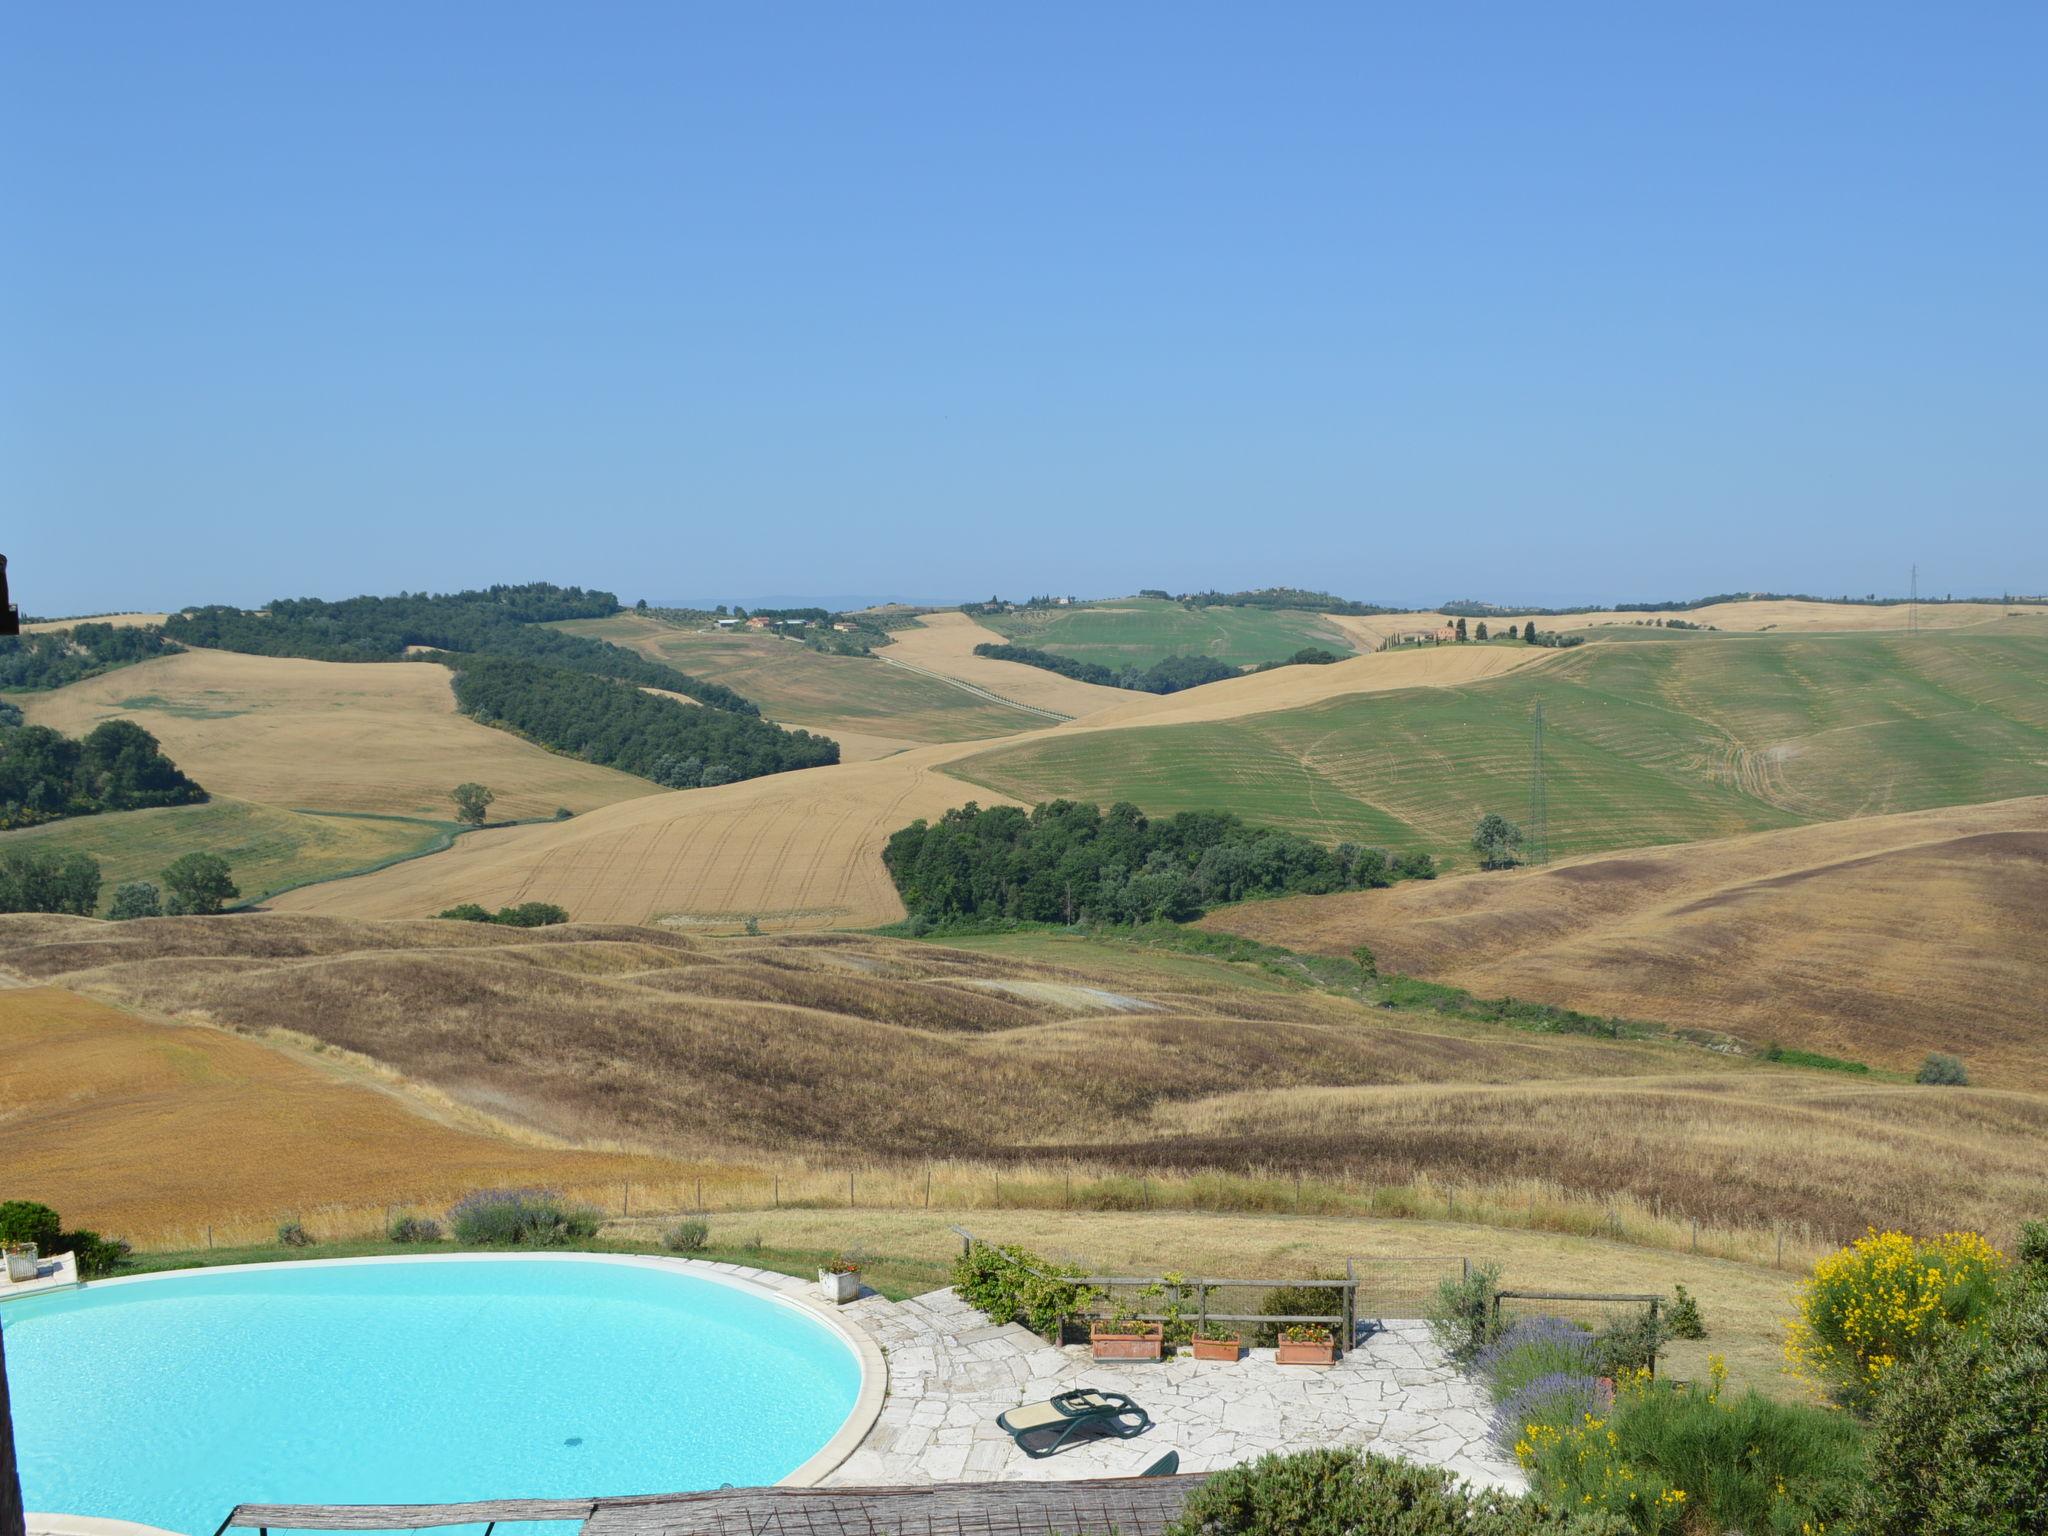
[958, 1186]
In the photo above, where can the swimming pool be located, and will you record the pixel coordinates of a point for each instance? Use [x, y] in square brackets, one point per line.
[169, 1399]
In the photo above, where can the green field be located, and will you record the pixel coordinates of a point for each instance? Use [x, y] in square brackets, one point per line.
[794, 683]
[1138, 631]
[269, 849]
[1702, 736]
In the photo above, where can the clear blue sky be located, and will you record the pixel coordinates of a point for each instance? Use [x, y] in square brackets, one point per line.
[1539, 303]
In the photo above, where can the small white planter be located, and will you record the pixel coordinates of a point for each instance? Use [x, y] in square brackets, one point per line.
[21, 1263]
[839, 1288]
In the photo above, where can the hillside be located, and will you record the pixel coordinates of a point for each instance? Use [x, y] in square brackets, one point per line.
[1764, 615]
[326, 735]
[804, 849]
[1039, 1055]
[1138, 631]
[139, 1126]
[1671, 739]
[1878, 939]
[840, 696]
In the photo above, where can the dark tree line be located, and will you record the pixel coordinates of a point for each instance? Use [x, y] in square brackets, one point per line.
[1169, 676]
[117, 767]
[496, 621]
[1064, 862]
[1298, 598]
[615, 724]
[56, 657]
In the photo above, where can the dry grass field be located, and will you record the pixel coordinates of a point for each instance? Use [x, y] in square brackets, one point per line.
[836, 695]
[1878, 939]
[131, 1126]
[803, 850]
[118, 620]
[1782, 617]
[861, 1050]
[329, 736]
[945, 642]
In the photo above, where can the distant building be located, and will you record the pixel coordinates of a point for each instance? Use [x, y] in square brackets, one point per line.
[730, 623]
[757, 622]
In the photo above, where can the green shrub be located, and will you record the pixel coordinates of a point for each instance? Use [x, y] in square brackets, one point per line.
[26, 1221]
[1531, 1348]
[1297, 1301]
[1682, 1318]
[1943, 1071]
[521, 1218]
[1461, 1314]
[1629, 1344]
[1006, 1283]
[1693, 1461]
[290, 1234]
[135, 898]
[97, 1256]
[1354, 1493]
[1959, 1434]
[414, 1229]
[687, 1237]
[1886, 1298]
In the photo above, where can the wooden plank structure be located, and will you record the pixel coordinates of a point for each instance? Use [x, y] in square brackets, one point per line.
[1128, 1506]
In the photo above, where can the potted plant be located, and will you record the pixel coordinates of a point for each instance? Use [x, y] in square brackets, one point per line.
[1307, 1344]
[840, 1279]
[21, 1261]
[1214, 1343]
[1124, 1337]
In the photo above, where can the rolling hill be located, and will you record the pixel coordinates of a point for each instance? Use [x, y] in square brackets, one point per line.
[836, 695]
[1877, 939]
[804, 849]
[1138, 631]
[1676, 738]
[1053, 1054]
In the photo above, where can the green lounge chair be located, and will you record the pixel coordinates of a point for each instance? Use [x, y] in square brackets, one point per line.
[1051, 1423]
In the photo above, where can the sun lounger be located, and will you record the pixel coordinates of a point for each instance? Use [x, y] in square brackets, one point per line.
[1042, 1428]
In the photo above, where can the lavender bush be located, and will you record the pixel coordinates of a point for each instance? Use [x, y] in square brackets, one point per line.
[532, 1218]
[1533, 1348]
[1561, 1397]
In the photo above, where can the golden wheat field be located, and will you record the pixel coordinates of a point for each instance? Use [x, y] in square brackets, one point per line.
[380, 737]
[118, 620]
[804, 849]
[1878, 939]
[132, 1126]
[944, 643]
[1783, 616]
[877, 1052]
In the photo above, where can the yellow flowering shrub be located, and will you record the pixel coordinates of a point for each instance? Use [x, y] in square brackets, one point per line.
[1881, 1299]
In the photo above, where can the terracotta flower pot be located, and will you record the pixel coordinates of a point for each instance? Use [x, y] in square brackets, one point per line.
[1307, 1352]
[1128, 1342]
[1219, 1349]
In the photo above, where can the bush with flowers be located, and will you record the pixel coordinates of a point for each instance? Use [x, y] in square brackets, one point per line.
[1675, 1460]
[1885, 1298]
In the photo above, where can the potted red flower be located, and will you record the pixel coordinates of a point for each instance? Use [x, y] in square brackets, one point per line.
[1218, 1344]
[840, 1279]
[1307, 1344]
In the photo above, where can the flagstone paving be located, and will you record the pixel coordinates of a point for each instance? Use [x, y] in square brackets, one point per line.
[951, 1373]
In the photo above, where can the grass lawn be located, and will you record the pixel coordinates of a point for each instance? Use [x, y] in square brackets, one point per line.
[1697, 737]
[1139, 631]
[268, 848]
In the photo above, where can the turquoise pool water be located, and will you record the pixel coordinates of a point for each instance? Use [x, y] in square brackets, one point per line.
[170, 1400]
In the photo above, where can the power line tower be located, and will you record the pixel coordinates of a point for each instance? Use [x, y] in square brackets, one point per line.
[1539, 800]
[1913, 604]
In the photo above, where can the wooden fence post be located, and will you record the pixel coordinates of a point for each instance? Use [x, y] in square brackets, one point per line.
[849, 1189]
[626, 1199]
[927, 1186]
[778, 1192]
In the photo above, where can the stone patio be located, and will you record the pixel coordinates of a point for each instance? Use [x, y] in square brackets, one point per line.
[951, 1373]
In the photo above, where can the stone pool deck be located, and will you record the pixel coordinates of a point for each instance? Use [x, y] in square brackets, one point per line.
[951, 1373]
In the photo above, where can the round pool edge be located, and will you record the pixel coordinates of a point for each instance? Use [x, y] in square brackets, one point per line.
[767, 1284]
